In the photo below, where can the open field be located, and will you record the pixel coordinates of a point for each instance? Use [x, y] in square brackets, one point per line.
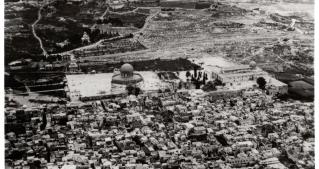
[237, 37]
[238, 31]
[284, 8]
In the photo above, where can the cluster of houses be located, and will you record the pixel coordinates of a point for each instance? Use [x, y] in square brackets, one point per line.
[182, 129]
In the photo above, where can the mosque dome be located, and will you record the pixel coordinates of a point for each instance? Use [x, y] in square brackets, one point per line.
[127, 68]
[253, 64]
[126, 76]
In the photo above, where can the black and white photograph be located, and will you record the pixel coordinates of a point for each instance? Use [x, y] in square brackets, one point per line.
[158, 84]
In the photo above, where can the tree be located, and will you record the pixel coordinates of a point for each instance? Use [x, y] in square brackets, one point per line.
[200, 75]
[89, 142]
[195, 72]
[180, 85]
[218, 82]
[44, 120]
[99, 21]
[198, 78]
[137, 91]
[167, 90]
[261, 82]
[210, 86]
[48, 155]
[205, 78]
[102, 124]
[197, 84]
[188, 74]
[130, 89]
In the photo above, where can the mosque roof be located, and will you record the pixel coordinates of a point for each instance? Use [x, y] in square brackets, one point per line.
[127, 68]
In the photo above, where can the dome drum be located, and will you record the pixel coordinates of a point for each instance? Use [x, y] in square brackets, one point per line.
[136, 78]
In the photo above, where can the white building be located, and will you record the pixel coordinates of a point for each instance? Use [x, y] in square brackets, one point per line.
[245, 77]
[235, 74]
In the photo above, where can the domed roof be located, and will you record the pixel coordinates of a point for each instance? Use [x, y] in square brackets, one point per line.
[252, 64]
[127, 68]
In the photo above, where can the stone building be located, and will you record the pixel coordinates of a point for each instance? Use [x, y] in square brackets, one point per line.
[237, 74]
[245, 77]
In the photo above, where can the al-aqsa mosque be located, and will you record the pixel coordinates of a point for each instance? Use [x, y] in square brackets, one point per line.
[125, 76]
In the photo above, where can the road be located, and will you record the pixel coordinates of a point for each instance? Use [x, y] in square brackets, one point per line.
[44, 52]
[147, 22]
[148, 19]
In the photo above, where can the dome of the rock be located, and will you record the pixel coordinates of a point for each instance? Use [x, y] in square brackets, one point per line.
[127, 68]
[125, 76]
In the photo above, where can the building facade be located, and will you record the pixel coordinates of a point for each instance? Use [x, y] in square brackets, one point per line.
[245, 77]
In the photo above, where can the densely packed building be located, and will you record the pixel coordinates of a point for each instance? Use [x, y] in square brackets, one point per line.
[183, 129]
